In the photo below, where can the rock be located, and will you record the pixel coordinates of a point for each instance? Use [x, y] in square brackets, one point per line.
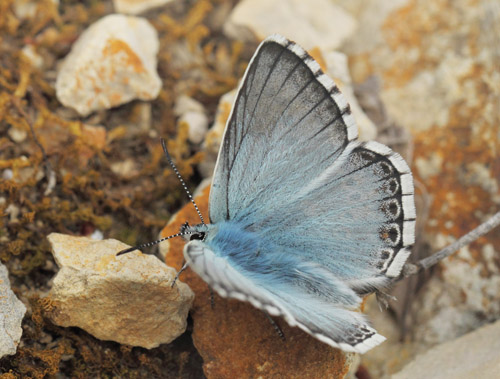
[127, 299]
[439, 77]
[125, 169]
[113, 62]
[235, 339]
[474, 355]
[198, 125]
[27, 9]
[17, 134]
[309, 23]
[12, 311]
[461, 299]
[213, 137]
[29, 51]
[137, 6]
[338, 70]
[193, 114]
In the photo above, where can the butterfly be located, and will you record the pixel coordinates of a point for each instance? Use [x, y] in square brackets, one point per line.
[304, 219]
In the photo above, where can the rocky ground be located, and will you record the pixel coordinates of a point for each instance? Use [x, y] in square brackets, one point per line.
[87, 88]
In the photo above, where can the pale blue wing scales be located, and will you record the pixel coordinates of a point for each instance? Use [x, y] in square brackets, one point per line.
[356, 218]
[277, 293]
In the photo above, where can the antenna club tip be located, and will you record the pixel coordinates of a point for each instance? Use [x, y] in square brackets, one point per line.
[125, 251]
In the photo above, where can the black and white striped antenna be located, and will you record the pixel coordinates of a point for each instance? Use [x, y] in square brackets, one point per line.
[171, 163]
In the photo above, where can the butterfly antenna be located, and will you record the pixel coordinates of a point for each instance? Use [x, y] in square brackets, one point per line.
[130, 249]
[171, 162]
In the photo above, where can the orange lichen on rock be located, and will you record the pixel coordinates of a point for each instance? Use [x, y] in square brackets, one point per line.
[118, 47]
[235, 339]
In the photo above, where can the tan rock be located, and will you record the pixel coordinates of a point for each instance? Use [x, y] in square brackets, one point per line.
[137, 6]
[127, 299]
[338, 70]
[113, 62]
[193, 114]
[12, 311]
[474, 355]
[309, 23]
[214, 135]
[440, 81]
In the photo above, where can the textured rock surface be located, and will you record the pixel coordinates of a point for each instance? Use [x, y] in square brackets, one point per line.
[336, 67]
[213, 137]
[193, 114]
[310, 23]
[137, 6]
[113, 62]
[127, 299]
[439, 75]
[474, 355]
[237, 340]
[12, 311]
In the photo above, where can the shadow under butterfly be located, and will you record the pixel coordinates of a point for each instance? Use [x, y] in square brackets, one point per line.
[304, 219]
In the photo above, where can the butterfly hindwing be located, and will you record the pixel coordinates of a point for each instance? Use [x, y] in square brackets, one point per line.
[318, 315]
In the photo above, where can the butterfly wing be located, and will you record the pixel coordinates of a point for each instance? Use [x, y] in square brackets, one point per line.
[290, 169]
[320, 315]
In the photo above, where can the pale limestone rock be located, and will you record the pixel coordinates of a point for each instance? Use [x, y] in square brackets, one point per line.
[12, 311]
[193, 114]
[17, 134]
[338, 70]
[461, 299]
[29, 51]
[27, 9]
[474, 355]
[127, 299]
[125, 169]
[214, 135]
[113, 62]
[137, 6]
[309, 23]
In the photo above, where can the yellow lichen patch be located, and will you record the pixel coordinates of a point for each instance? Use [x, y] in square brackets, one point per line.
[119, 48]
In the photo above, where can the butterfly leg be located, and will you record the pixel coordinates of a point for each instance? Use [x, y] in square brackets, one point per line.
[212, 298]
[276, 327]
[383, 299]
[184, 266]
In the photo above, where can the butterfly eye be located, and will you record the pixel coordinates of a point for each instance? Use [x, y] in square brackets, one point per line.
[197, 236]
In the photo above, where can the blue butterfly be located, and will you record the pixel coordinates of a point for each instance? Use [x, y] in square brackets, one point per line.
[304, 219]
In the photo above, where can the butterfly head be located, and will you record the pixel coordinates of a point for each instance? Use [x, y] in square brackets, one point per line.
[195, 232]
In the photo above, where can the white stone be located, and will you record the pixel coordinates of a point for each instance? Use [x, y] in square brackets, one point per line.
[128, 299]
[137, 6]
[309, 23]
[17, 134]
[29, 51]
[193, 114]
[185, 104]
[338, 70]
[474, 355]
[26, 9]
[12, 311]
[214, 136]
[113, 62]
[198, 125]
